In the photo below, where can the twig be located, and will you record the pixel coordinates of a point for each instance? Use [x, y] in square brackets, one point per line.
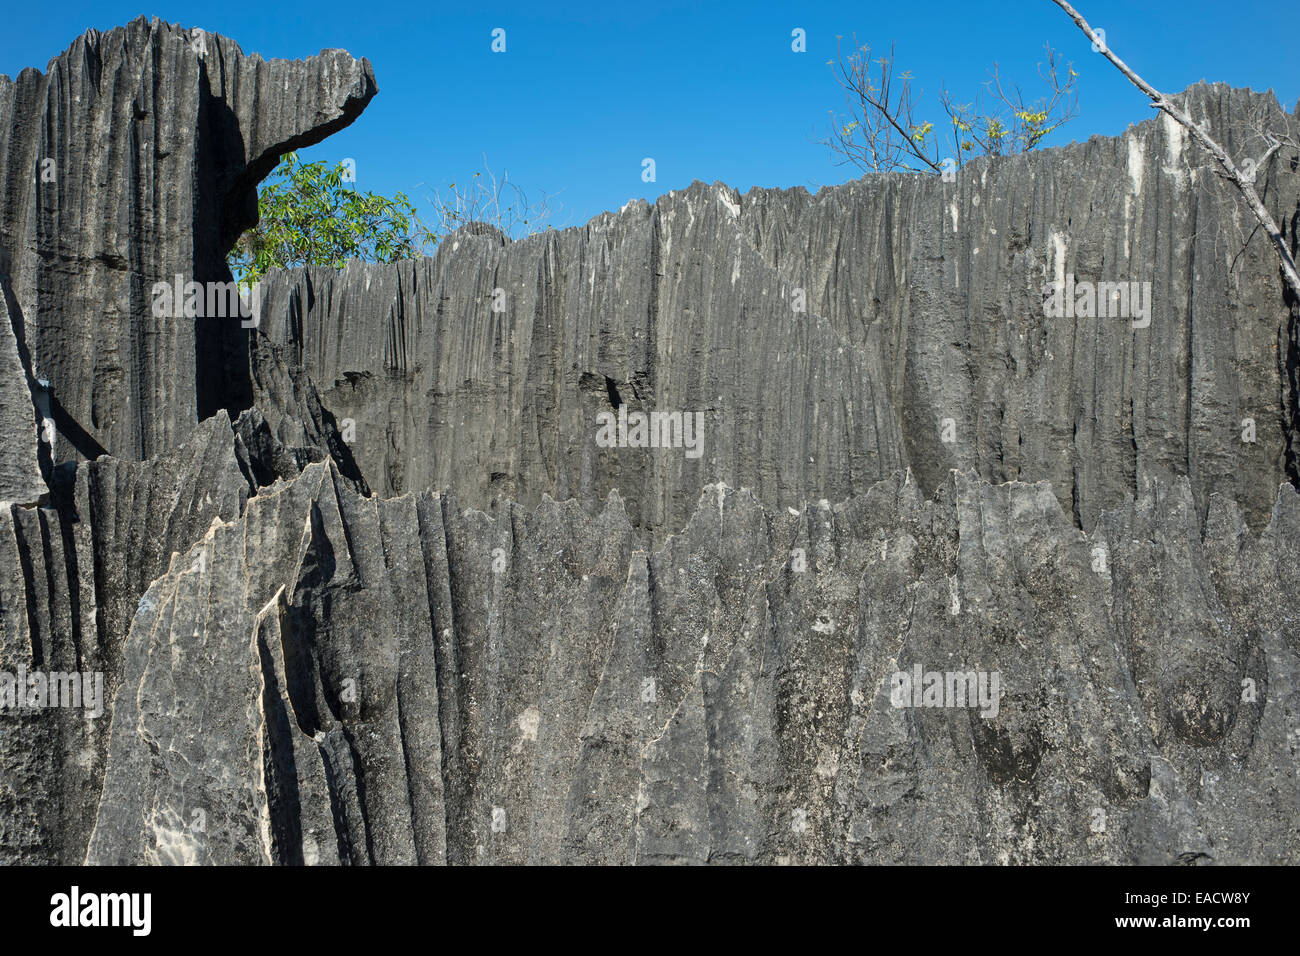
[1162, 102]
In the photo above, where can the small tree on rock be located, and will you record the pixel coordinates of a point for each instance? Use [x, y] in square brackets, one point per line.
[882, 130]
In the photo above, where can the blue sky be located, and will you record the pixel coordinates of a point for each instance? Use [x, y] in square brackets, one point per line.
[711, 91]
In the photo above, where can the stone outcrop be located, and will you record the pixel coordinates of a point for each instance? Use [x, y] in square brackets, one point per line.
[482, 369]
[157, 138]
[71, 578]
[336, 679]
[363, 588]
[133, 159]
[20, 470]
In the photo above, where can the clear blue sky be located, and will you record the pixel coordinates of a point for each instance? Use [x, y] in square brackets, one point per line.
[711, 91]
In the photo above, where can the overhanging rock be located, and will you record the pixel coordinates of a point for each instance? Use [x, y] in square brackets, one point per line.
[133, 159]
[527, 647]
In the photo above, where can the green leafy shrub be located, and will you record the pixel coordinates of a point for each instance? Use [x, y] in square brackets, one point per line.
[309, 214]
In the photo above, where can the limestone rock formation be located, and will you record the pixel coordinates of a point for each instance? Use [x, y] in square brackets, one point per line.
[362, 587]
[71, 577]
[924, 309]
[133, 159]
[336, 679]
[20, 470]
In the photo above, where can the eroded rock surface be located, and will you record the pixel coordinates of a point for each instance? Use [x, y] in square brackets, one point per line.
[336, 679]
[924, 343]
[133, 159]
[363, 588]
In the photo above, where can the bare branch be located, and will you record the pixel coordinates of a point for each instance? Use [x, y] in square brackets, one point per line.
[879, 131]
[1235, 176]
[496, 201]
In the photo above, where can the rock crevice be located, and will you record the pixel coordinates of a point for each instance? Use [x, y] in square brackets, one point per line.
[363, 587]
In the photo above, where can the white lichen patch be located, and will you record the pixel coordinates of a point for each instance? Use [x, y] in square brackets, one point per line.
[529, 721]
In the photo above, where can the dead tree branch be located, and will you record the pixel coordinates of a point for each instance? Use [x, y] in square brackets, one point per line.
[1244, 185]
